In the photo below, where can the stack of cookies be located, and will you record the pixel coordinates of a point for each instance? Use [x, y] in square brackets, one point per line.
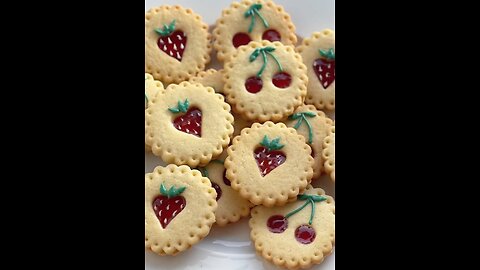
[243, 141]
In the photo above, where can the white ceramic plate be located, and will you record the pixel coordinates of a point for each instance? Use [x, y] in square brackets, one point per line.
[230, 248]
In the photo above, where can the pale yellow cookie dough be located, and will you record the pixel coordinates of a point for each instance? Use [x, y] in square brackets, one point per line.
[233, 21]
[175, 146]
[309, 49]
[329, 153]
[193, 223]
[283, 249]
[197, 49]
[152, 87]
[284, 182]
[212, 78]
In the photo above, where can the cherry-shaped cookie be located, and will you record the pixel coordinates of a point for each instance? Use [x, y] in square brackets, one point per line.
[188, 124]
[248, 21]
[314, 126]
[318, 54]
[231, 206]
[177, 43]
[179, 209]
[269, 164]
[152, 87]
[297, 235]
[329, 153]
[265, 81]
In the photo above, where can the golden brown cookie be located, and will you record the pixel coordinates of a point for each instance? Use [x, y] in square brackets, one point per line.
[231, 206]
[212, 78]
[249, 20]
[329, 153]
[177, 43]
[152, 87]
[188, 124]
[314, 126]
[265, 81]
[269, 164]
[318, 54]
[179, 209]
[297, 235]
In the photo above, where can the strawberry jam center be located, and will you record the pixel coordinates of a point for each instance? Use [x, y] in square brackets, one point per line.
[173, 45]
[305, 234]
[325, 70]
[225, 180]
[253, 84]
[190, 122]
[240, 39]
[268, 160]
[167, 209]
[282, 80]
[217, 189]
[277, 224]
[271, 35]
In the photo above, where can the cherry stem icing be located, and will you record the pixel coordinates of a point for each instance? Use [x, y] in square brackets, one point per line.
[264, 51]
[167, 29]
[327, 54]
[172, 192]
[181, 107]
[302, 116]
[251, 12]
[310, 199]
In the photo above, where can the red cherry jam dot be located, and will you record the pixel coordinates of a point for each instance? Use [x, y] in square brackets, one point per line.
[217, 189]
[282, 80]
[225, 180]
[271, 35]
[253, 84]
[277, 224]
[240, 39]
[305, 234]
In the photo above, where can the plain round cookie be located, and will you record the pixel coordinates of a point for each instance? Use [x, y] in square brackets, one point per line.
[270, 103]
[283, 249]
[282, 183]
[309, 49]
[210, 77]
[191, 224]
[152, 87]
[233, 21]
[175, 146]
[329, 153]
[320, 126]
[196, 54]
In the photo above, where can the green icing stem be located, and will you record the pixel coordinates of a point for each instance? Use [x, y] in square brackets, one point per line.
[251, 12]
[310, 199]
[264, 52]
[297, 210]
[301, 117]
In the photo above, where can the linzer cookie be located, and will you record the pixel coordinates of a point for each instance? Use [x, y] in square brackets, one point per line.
[318, 53]
[247, 21]
[152, 87]
[231, 206]
[177, 43]
[329, 153]
[179, 209]
[212, 78]
[265, 81]
[314, 126]
[297, 235]
[269, 164]
[188, 124]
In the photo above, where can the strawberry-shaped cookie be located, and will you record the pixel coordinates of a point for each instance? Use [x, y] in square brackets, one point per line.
[231, 206]
[249, 20]
[329, 152]
[314, 126]
[177, 43]
[179, 209]
[269, 164]
[152, 87]
[318, 54]
[188, 124]
[297, 235]
[265, 81]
